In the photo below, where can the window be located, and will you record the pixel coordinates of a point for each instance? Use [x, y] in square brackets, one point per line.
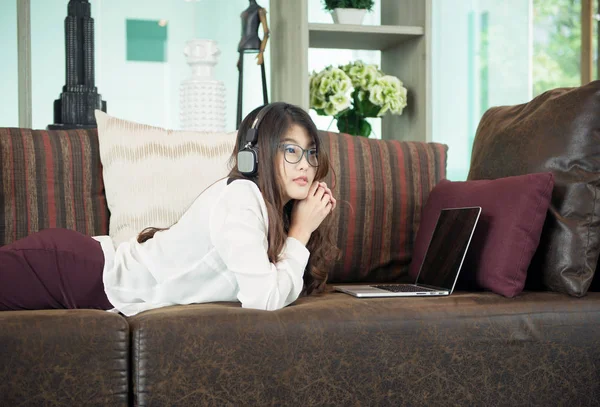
[9, 106]
[497, 52]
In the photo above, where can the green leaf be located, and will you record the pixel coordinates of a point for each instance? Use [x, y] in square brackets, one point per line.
[354, 124]
[330, 5]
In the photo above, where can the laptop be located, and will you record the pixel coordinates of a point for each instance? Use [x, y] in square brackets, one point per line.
[442, 262]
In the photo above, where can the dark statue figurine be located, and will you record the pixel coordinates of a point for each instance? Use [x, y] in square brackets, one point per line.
[252, 18]
[79, 98]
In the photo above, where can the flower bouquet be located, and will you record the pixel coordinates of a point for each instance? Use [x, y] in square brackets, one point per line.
[351, 93]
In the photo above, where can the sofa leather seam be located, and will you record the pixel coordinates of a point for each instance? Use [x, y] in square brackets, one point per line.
[589, 229]
[137, 362]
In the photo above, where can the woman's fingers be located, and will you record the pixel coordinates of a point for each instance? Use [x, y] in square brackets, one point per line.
[313, 188]
[320, 193]
[328, 191]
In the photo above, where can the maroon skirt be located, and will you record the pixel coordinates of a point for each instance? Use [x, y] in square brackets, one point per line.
[53, 268]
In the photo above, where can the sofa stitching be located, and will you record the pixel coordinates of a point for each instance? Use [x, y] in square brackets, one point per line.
[589, 229]
[137, 368]
[127, 344]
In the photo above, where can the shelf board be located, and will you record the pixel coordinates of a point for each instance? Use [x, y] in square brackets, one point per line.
[369, 37]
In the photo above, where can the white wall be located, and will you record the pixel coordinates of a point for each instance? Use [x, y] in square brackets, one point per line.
[9, 104]
[146, 92]
[139, 91]
[220, 20]
[456, 101]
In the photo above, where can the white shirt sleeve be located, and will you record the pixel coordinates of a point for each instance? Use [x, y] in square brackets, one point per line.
[238, 229]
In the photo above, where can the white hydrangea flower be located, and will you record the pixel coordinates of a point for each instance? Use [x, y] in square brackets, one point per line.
[370, 77]
[330, 91]
[340, 101]
[376, 95]
[392, 97]
[317, 102]
[334, 89]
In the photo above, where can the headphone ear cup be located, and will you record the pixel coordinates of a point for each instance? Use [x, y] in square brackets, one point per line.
[247, 161]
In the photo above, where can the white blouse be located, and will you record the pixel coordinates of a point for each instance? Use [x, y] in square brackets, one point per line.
[217, 251]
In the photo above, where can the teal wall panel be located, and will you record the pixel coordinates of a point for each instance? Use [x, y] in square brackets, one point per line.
[146, 40]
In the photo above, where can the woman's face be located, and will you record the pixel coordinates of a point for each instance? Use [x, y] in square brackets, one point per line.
[296, 177]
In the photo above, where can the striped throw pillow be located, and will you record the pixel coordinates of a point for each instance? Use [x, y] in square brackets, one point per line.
[153, 175]
[381, 187]
[50, 179]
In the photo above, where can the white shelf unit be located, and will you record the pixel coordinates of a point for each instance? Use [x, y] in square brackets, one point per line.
[404, 39]
[371, 37]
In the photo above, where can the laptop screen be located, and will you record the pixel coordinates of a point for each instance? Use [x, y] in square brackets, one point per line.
[448, 246]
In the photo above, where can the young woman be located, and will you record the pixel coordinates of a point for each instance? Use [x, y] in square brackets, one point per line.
[252, 237]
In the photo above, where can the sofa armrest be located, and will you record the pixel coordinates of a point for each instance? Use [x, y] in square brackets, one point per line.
[63, 358]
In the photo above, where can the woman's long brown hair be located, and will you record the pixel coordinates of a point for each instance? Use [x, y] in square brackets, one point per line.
[273, 126]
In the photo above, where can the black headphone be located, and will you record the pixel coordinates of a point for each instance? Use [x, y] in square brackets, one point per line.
[247, 158]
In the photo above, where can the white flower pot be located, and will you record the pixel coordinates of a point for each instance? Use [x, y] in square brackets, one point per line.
[348, 15]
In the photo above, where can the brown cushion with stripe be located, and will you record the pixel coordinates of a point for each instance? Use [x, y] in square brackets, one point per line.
[381, 187]
[50, 179]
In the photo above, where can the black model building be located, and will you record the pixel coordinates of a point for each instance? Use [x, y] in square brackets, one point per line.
[79, 98]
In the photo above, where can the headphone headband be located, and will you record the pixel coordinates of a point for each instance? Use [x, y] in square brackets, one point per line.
[252, 134]
[247, 160]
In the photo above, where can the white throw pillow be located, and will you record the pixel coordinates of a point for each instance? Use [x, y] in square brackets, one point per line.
[152, 175]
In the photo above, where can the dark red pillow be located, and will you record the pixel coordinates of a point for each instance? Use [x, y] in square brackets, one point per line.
[513, 211]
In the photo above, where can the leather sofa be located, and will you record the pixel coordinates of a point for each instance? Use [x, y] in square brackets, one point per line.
[541, 348]
[468, 349]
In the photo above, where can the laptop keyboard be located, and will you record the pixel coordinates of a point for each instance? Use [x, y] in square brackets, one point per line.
[402, 288]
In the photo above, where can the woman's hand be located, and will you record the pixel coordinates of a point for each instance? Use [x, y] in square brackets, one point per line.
[328, 191]
[308, 213]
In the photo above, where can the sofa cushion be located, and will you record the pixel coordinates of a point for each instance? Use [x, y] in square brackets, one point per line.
[513, 211]
[50, 179]
[152, 175]
[559, 132]
[538, 349]
[64, 358]
[381, 186]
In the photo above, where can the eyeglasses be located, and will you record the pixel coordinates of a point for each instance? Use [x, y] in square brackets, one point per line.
[293, 154]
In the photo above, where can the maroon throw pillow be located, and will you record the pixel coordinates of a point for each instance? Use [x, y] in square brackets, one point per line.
[513, 211]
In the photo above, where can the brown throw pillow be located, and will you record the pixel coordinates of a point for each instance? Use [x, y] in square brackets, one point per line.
[558, 132]
[50, 179]
[381, 187]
